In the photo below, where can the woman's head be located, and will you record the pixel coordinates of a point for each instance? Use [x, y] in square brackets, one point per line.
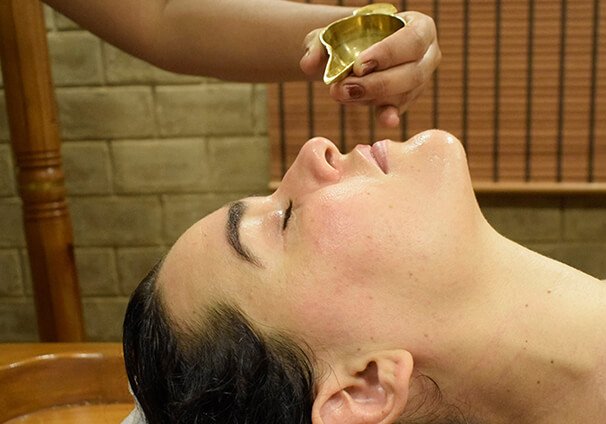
[219, 370]
[347, 258]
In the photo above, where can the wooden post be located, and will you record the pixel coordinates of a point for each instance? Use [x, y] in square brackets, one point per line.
[35, 142]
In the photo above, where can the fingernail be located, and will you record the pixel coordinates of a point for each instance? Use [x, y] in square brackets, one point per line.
[354, 91]
[368, 67]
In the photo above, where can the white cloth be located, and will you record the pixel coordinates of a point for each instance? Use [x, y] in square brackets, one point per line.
[136, 415]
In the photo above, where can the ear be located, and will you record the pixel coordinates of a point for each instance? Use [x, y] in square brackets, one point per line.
[369, 390]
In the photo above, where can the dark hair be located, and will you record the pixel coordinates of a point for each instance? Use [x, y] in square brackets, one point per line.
[220, 371]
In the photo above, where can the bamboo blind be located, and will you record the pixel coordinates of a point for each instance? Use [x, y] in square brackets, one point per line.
[522, 84]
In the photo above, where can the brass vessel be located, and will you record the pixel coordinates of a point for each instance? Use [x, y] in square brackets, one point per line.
[346, 38]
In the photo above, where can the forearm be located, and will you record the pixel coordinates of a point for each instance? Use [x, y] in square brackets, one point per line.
[242, 40]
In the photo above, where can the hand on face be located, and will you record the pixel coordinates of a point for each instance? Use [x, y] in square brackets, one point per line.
[391, 74]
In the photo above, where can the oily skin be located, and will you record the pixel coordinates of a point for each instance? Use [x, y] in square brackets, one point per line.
[405, 260]
[351, 230]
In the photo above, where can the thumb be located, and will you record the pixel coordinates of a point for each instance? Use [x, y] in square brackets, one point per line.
[315, 57]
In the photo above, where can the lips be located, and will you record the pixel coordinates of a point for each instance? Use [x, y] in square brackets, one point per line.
[379, 153]
[375, 154]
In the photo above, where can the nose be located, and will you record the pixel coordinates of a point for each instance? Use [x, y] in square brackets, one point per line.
[318, 164]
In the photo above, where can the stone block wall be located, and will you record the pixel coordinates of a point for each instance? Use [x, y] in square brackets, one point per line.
[147, 153]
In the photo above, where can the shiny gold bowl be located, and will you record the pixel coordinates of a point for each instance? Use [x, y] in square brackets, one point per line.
[346, 38]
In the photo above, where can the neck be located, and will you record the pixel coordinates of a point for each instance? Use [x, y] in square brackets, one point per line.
[528, 345]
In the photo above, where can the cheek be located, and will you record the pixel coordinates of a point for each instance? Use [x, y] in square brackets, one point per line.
[327, 310]
[344, 235]
[331, 230]
[334, 270]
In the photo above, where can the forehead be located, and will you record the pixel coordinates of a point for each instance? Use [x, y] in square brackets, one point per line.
[188, 278]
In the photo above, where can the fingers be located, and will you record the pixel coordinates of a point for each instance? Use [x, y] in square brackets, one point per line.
[393, 73]
[315, 57]
[409, 44]
[376, 87]
[389, 115]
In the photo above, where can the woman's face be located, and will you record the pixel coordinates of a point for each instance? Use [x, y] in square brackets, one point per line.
[347, 244]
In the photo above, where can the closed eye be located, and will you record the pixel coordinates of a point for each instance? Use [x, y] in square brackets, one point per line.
[287, 213]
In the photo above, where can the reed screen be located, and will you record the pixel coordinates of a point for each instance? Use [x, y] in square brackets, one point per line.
[522, 84]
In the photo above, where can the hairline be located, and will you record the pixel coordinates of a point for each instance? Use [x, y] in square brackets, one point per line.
[190, 330]
[280, 343]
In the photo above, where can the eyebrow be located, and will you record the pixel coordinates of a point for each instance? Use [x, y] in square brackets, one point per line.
[232, 231]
